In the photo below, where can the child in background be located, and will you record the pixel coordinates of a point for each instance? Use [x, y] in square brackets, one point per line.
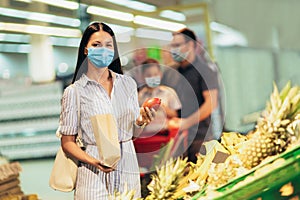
[170, 103]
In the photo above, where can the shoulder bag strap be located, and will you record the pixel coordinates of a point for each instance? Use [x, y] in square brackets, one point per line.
[79, 136]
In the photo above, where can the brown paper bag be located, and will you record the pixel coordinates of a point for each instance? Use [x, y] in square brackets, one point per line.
[106, 135]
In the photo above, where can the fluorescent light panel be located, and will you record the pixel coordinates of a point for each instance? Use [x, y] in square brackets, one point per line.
[147, 21]
[40, 17]
[157, 23]
[61, 3]
[121, 29]
[43, 30]
[153, 34]
[26, 1]
[123, 16]
[136, 5]
[170, 14]
[228, 36]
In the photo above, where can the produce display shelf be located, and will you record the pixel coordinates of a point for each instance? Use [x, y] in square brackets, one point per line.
[268, 185]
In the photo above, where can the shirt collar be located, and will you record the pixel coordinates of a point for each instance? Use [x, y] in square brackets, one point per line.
[84, 79]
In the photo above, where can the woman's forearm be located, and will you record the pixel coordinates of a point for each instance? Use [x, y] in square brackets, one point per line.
[71, 148]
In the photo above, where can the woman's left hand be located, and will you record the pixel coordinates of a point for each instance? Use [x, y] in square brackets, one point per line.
[146, 116]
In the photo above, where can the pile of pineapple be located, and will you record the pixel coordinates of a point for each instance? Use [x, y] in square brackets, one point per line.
[276, 130]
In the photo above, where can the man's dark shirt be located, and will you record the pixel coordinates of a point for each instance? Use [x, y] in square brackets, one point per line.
[196, 78]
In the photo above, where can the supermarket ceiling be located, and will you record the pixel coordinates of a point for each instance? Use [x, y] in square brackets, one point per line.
[254, 23]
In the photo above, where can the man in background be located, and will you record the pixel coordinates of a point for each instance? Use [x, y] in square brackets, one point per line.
[197, 89]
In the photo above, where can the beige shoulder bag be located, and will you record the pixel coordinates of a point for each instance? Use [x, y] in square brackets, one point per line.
[64, 171]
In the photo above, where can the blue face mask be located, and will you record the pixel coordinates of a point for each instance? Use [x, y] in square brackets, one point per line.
[100, 57]
[177, 55]
[153, 82]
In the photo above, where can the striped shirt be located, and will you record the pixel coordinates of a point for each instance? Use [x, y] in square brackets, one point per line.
[123, 105]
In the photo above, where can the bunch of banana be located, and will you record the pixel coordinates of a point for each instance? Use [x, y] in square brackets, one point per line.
[276, 129]
[164, 184]
[126, 195]
[232, 141]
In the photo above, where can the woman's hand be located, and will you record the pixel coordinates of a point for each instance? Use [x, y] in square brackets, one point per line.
[146, 116]
[99, 165]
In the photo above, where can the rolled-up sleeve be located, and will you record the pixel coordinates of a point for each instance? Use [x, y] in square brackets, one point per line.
[134, 100]
[136, 107]
[68, 116]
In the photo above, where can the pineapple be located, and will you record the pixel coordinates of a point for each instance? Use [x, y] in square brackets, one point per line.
[126, 195]
[192, 175]
[275, 130]
[164, 184]
[232, 141]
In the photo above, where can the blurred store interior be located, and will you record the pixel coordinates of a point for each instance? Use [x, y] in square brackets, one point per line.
[254, 42]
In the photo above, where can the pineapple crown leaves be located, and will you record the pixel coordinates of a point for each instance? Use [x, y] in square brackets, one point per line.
[285, 90]
[165, 182]
[283, 105]
[126, 195]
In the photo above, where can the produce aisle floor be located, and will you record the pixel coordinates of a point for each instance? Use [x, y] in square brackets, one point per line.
[35, 177]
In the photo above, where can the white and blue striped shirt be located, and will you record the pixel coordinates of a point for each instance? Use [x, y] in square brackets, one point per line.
[123, 105]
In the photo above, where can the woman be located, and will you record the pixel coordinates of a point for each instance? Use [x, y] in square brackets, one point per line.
[103, 90]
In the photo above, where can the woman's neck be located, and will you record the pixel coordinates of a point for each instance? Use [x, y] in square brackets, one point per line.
[99, 75]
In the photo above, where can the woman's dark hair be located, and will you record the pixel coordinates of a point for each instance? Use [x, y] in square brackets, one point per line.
[148, 63]
[81, 66]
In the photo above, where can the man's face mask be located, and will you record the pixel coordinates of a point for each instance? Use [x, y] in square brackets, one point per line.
[153, 82]
[177, 55]
[100, 57]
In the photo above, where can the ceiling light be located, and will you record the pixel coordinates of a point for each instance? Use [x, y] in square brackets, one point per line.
[157, 23]
[26, 1]
[170, 14]
[61, 3]
[110, 13]
[43, 30]
[228, 36]
[123, 38]
[153, 34]
[215, 26]
[136, 5]
[122, 33]
[121, 29]
[39, 17]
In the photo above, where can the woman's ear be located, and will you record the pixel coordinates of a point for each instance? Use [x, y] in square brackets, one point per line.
[85, 51]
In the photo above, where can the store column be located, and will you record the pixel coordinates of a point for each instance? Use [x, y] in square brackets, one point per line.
[41, 60]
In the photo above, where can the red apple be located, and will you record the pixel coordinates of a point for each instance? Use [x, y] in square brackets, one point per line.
[152, 103]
